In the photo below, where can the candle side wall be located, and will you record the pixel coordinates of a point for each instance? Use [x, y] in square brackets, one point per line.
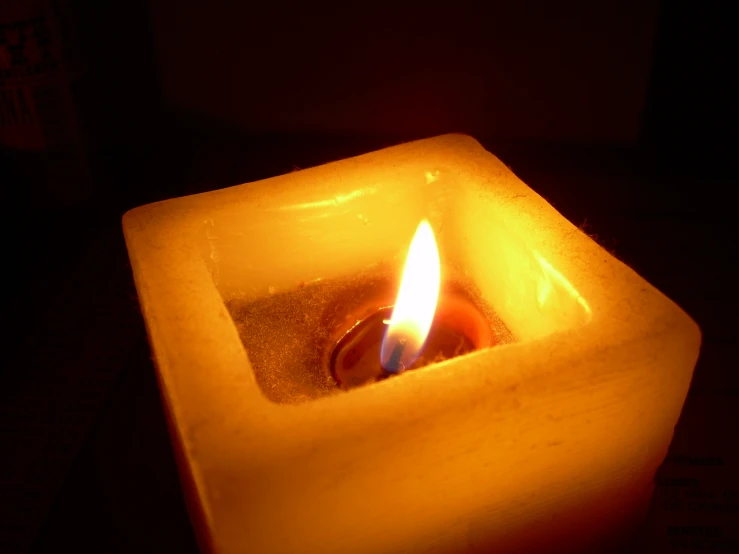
[329, 224]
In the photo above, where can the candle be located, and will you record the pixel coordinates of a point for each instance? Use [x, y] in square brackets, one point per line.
[547, 442]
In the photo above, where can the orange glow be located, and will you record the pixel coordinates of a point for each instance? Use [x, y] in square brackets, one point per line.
[416, 303]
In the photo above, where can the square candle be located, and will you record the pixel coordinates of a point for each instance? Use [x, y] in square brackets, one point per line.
[548, 440]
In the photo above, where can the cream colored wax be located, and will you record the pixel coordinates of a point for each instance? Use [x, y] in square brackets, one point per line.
[550, 442]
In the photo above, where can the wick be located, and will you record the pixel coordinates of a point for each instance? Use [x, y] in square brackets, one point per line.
[393, 364]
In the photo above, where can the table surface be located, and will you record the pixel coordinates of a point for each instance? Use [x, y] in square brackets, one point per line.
[90, 466]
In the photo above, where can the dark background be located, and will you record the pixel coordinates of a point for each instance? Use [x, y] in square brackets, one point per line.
[622, 114]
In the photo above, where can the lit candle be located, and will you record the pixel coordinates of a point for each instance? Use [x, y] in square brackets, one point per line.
[548, 442]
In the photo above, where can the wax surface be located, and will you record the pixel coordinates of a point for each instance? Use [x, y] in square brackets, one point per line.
[290, 336]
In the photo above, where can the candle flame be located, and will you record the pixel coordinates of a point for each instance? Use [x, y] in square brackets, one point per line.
[416, 303]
